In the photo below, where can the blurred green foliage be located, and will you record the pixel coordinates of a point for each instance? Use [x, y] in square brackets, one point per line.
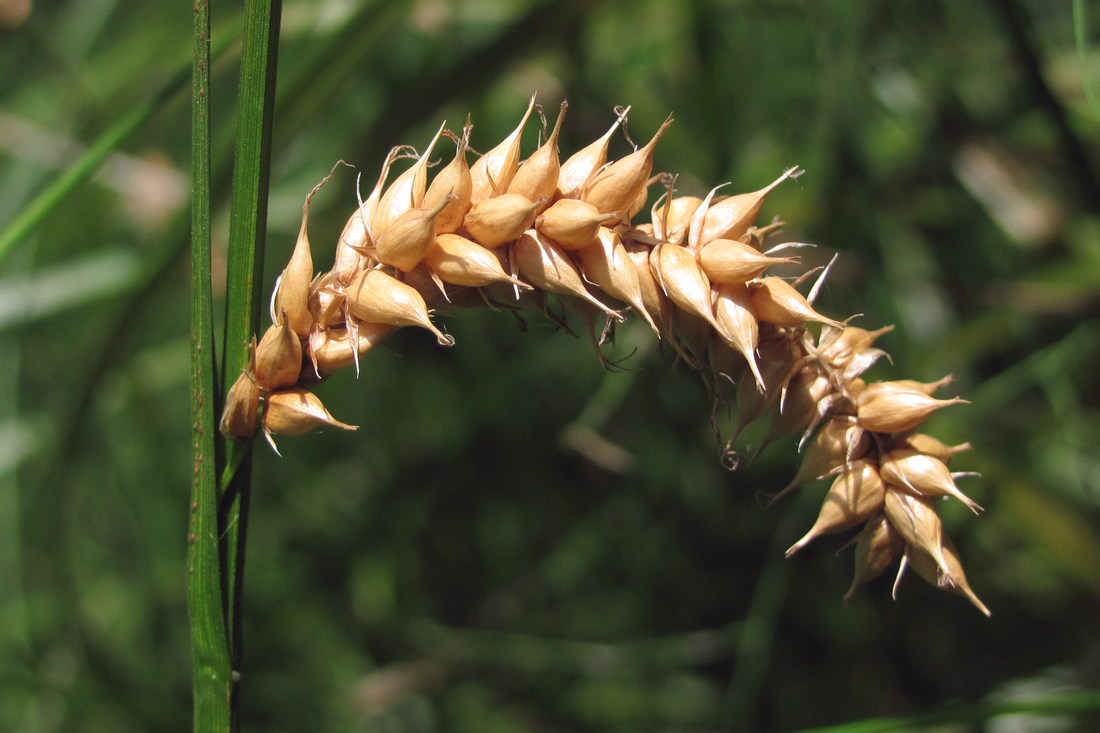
[458, 564]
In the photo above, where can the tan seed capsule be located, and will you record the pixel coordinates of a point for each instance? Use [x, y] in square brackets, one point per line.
[923, 474]
[686, 284]
[877, 546]
[954, 581]
[840, 346]
[776, 302]
[730, 261]
[656, 302]
[838, 442]
[801, 405]
[492, 222]
[239, 418]
[881, 389]
[278, 357]
[292, 294]
[408, 238]
[673, 221]
[572, 223]
[406, 192]
[923, 443]
[354, 241]
[917, 522]
[731, 217]
[546, 266]
[899, 411]
[606, 264]
[580, 166]
[616, 186]
[459, 261]
[857, 494]
[375, 297]
[295, 411]
[453, 181]
[493, 171]
[733, 309]
[537, 177]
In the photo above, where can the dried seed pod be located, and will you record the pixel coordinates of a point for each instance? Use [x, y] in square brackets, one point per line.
[877, 546]
[292, 289]
[656, 302]
[278, 357]
[493, 171]
[537, 177]
[880, 389]
[406, 192]
[857, 494]
[295, 411]
[492, 222]
[459, 261]
[801, 404]
[923, 474]
[731, 217]
[606, 264]
[730, 261]
[673, 222]
[686, 284]
[453, 181]
[898, 411]
[332, 350]
[954, 581]
[923, 443]
[776, 302]
[546, 266]
[375, 297]
[917, 522]
[839, 346]
[616, 186]
[733, 309]
[239, 418]
[354, 241]
[777, 360]
[407, 239]
[838, 442]
[572, 223]
[580, 166]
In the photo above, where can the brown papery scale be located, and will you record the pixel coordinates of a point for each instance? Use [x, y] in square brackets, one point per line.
[672, 219]
[580, 166]
[616, 186]
[878, 545]
[731, 217]
[376, 297]
[501, 219]
[546, 266]
[839, 346]
[332, 350]
[493, 171]
[460, 261]
[537, 177]
[453, 181]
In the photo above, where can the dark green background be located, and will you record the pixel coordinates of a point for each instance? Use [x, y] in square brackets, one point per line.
[455, 565]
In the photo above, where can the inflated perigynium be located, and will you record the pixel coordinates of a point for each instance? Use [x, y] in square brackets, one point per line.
[699, 273]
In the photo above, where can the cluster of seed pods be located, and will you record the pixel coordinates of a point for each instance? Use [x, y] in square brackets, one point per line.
[510, 230]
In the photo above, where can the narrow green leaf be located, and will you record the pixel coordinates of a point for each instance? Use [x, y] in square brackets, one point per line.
[1080, 36]
[209, 644]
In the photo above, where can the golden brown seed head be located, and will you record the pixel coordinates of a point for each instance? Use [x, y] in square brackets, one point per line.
[495, 221]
